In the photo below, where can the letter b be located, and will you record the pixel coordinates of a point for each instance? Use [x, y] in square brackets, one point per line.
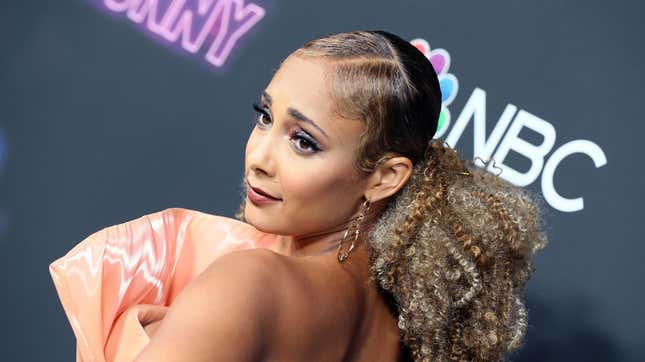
[535, 153]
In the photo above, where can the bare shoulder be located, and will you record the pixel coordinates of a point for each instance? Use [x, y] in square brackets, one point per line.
[262, 305]
[225, 313]
[266, 275]
[310, 294]
[254, 265]
[256, 276]
[265, 268]
[286, 292]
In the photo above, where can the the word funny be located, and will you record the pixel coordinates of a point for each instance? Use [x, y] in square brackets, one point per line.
[217, 24]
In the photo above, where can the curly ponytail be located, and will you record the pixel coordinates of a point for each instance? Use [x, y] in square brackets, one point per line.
[454, 249]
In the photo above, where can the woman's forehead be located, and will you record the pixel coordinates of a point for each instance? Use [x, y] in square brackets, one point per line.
[302, 84]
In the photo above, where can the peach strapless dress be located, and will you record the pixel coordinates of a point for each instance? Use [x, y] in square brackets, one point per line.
[125, 276]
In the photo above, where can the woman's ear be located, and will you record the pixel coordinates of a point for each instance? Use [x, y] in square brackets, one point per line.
[388, 178]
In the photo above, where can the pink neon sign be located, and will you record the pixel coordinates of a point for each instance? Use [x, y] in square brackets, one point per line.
[193, 24]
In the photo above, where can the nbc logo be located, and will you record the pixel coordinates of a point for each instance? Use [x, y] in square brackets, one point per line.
[505, 136]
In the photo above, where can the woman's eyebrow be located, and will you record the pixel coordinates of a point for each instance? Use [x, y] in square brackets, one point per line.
[295, 114]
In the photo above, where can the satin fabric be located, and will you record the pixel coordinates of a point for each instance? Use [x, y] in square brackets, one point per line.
[125, 276]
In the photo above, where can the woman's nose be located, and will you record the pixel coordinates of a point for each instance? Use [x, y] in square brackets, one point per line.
[260, 157]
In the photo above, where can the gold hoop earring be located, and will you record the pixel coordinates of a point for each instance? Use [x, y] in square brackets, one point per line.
[356, 225]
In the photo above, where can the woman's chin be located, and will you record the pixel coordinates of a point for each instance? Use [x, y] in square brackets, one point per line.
[260, 220]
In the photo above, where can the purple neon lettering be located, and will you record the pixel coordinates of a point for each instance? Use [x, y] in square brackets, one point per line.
[116, 5]
[244, 18]
[194, 22]
[182, 18]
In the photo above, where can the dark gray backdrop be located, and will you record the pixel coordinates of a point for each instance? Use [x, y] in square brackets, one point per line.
[101, 123]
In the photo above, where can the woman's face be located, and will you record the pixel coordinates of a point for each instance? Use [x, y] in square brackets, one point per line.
[307, 165]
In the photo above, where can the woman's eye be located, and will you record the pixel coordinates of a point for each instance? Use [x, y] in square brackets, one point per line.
[304, 143]
[262, 114]
[262, 117]
[301, 140]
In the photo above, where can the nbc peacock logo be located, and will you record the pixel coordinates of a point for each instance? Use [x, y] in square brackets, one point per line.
[506, 136]
[440, 60]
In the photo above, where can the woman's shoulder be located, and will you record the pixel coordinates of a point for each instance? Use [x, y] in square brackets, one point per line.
[255, 273]
[255, 304]
[308, 298]
[267, 278]
[225, 313]
[284, 279]
[314, 298]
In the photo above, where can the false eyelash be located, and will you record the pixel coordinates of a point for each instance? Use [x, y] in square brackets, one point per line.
[315, 147]
[259, 109]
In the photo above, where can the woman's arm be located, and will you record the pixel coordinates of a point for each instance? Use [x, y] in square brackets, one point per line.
[224, 314]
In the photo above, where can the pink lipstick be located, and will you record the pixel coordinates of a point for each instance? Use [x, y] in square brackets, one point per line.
[259, 197]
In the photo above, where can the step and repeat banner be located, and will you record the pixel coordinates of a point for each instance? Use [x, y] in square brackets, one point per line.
[111, 109]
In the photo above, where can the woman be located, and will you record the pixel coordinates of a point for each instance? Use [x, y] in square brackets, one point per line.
[386, 241]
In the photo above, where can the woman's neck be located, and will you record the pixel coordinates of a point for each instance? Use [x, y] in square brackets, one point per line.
[327, 241]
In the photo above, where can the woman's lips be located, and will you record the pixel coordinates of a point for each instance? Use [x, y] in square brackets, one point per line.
[257, 198]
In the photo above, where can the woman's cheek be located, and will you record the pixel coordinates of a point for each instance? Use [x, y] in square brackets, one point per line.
[316, 194]
[301, 191]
